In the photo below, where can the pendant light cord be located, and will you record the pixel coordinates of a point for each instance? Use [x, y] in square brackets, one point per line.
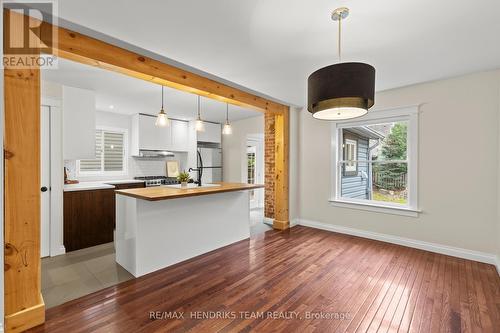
[162, 97]
[227, 113]
[199, 107]
[340, 38]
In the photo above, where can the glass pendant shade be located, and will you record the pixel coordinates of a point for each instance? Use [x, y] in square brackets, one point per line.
[161, 119]
[227, 130]
[199, 125]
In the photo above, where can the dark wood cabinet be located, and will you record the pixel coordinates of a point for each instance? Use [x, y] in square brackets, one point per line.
[89, 216]
[128, 185]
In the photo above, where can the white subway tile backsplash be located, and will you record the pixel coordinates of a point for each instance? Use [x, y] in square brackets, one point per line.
[70, 166]
[148, 167]
[137, 167]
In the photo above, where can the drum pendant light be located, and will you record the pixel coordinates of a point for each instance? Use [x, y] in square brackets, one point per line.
[341, 91]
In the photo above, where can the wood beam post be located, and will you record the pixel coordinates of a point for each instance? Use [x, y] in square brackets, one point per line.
[281, 187]
[24, 306]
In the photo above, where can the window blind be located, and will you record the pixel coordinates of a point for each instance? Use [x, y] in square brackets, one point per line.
[93, 165]
[113, 151]
[109, 152]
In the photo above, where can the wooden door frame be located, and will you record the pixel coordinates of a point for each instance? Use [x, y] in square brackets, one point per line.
[24, 306]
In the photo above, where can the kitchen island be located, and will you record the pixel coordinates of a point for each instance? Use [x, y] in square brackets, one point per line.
[160, 226]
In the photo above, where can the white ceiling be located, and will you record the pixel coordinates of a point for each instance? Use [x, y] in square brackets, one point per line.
[273, 45]
[128, 95]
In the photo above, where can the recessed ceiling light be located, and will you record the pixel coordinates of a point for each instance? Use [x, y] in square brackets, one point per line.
[111, 106]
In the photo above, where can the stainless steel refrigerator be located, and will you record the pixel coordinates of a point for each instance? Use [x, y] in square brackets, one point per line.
[210, 161]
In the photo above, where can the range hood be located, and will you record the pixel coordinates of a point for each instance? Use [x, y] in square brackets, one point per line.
[154, 153]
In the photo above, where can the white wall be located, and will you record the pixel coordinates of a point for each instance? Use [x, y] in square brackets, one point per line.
[234, 151]
[294, 170]
[136, 167]
[459, 170]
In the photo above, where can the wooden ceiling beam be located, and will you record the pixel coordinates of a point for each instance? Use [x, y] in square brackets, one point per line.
[87, 50]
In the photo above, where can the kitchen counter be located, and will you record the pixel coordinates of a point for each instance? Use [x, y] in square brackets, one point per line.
[168, 192]
[85, 186]
[98, 185]
[153, 232]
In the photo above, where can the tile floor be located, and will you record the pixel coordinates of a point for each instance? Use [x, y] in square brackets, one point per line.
[83, 272]
[79, 273]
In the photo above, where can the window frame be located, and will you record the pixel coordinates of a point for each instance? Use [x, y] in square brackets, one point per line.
[124, 172]
[408, 114]
[347, 140]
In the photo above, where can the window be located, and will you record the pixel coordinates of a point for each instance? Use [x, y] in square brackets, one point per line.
[375, 166]
[350, 152]
[251, 167]
[110, 152]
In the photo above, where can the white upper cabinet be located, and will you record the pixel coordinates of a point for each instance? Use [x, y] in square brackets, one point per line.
[147, 136]
[212, 133]
[179, 135]
[78, 107]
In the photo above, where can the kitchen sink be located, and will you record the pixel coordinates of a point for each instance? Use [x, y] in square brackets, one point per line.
[191, 185]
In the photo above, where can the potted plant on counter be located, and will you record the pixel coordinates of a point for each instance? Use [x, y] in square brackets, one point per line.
[183, 177]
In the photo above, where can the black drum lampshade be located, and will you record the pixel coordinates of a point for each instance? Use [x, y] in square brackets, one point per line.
[341, 91]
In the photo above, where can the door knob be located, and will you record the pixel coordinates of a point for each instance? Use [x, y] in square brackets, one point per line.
[43, 189]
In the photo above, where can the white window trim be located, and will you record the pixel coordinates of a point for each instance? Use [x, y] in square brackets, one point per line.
[409, 114]
[124, 172]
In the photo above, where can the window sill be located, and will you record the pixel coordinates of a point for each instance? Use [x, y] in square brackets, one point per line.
[376, 208]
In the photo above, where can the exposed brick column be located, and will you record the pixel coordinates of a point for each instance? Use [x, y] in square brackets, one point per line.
[269, 165]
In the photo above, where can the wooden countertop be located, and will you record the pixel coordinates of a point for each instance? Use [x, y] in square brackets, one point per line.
[164, 192]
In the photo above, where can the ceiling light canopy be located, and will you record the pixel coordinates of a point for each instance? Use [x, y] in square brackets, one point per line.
[344, 90]
[161, 118]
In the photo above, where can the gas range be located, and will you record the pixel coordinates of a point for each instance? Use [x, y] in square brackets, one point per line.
[158, 180]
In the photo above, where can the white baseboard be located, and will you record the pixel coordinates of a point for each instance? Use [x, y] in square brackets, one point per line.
[268, 220]
[58, 252]
[487, 258]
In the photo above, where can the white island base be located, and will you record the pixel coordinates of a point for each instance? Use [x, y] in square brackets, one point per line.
[151, 235]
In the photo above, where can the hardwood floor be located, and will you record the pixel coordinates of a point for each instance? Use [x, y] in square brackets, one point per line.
[322, 281]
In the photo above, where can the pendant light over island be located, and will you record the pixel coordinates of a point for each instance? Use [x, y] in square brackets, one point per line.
[344, 90]
[227, 130]
[199, 125]
[161, 118]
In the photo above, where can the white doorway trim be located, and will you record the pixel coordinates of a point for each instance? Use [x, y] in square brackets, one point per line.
[56, 178]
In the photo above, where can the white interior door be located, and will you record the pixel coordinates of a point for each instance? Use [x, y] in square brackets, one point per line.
[45, 181]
